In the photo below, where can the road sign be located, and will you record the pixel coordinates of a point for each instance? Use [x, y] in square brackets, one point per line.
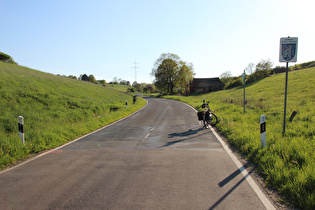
[288, 49]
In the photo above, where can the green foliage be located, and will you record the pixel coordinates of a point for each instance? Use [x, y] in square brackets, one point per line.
[6, 58]
[235, 83]
[303, 65]
[264, 65]
[226, 77]
[171, 73]
[55, 110]
[288, 161]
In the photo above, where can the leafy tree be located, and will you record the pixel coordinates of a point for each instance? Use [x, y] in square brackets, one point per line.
[84, 77]
[72, 77]
[226, 77]
[264, 65]
[123, 82]
[170, 73]
[102, 82]
[185, 76]
[149, 88]
[92, 79]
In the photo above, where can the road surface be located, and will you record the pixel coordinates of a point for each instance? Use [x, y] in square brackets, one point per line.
[158, 158]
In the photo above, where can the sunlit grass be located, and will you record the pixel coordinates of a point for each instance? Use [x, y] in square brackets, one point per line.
[55, 110]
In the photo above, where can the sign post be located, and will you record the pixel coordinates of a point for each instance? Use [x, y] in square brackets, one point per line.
[21, 129]
[288, 53]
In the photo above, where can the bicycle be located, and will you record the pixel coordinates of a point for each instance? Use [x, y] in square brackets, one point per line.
[207, 116]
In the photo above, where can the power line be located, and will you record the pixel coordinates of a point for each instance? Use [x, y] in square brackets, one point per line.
[135, 67]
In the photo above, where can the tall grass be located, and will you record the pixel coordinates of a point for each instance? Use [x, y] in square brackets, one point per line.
[55, 110]
[288, 161]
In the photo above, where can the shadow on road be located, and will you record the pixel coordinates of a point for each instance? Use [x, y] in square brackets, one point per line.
[190, 134]
[228, 179]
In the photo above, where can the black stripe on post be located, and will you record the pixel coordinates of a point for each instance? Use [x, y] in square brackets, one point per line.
[21, 129]
[263, 127]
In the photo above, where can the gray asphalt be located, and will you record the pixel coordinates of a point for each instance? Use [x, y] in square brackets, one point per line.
[159, 158]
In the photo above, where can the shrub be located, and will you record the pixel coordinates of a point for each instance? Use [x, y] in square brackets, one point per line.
[6, 58]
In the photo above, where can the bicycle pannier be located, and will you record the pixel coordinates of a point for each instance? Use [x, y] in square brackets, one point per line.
[200, 116]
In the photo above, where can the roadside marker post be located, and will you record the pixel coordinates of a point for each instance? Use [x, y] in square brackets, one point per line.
[244, 77]
[21, 129]
[288, 53]
[263, 130]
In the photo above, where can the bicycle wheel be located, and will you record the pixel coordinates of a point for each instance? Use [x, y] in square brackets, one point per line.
[214, 119]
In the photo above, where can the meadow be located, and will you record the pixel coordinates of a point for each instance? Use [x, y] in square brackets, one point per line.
[287, 163]
[55, 109]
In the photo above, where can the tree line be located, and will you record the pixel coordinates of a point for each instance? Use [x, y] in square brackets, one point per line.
[259, 71]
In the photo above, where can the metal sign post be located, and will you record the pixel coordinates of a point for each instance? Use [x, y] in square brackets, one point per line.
[288, 53]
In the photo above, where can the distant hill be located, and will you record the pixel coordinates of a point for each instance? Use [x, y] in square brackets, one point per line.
[55, 109]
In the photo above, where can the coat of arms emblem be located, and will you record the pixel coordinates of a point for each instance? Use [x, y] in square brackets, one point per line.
[288, 51]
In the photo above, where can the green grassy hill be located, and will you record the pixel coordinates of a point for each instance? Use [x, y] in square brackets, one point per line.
[55, 110]
[288, 161]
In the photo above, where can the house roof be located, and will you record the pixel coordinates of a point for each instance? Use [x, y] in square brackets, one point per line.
[207, 81]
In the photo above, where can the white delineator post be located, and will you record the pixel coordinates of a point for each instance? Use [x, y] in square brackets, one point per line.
[263, 130]
[21, 129]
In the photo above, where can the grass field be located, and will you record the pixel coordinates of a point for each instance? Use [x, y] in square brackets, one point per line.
[288, 161]
[55, 110]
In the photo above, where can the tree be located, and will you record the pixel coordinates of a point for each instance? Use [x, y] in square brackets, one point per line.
[264, 65]
[103, 82]
[185, 76]
[84, 77]
[249, 68]
[72, 77]
[92, 79]
[226, 77]
[170, 73]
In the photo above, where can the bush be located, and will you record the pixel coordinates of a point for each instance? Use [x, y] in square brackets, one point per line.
[235, 83]
[6, 58]
[258, 75]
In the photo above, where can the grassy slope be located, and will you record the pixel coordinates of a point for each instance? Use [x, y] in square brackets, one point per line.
[288, 162]
[55, 110]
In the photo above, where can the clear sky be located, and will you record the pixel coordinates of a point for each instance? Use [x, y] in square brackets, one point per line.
[105, 38]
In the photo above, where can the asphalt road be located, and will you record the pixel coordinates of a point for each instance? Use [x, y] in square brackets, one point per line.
[159, 158]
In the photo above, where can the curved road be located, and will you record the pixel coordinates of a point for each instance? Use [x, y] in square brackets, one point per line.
[158, 158]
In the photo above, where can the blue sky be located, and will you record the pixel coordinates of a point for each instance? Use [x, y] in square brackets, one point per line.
[105, 38]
